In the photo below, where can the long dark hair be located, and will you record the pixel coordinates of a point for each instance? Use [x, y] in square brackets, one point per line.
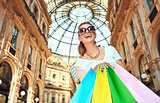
[81, 47]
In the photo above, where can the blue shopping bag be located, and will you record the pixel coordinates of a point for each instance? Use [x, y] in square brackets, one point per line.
[84, 92]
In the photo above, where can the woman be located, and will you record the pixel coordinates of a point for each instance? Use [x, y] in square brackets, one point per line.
[91, 54]
[123, 87]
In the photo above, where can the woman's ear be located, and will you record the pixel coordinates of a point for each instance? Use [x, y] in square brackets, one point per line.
[95, 35]
[79, 38]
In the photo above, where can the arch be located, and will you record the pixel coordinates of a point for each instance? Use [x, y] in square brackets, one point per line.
[28, 75]
[5, 80]
[142, 63]
[158, 44]
[39, 84]
[154, 42]
[35, 8]
[143, 69]
[13, 69]
[137, 58]
[24, 87]
[37, 92]
[11, 63]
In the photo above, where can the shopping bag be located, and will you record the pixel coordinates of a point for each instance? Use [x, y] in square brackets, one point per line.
[140, 92]
[101, 93]
[119, 92]
[84, 92]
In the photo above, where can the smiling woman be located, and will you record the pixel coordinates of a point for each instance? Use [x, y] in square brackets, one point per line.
[103, 76]
[66, 17]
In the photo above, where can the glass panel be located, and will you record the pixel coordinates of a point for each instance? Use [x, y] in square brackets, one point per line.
[145, 73]
[24, 83]
[124, 52]
[12, 51]
[30, 54]
[135, 44]
[54, 76]
[35, 12]
[3, 98]
[80, 14]
[40, 68]
[159, 44]
[150, 3]
[63, 98]
[5, 77]
[142, 63]
[64, 78]
[53, 98]
[44, 28]
[24, 87]
[133, 30]
[153, 14]
[5, 81]
[36, 93]
[14, 37]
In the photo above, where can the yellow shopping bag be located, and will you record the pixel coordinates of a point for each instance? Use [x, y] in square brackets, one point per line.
[101, 93]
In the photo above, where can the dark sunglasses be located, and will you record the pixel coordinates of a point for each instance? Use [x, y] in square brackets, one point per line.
[90, 29]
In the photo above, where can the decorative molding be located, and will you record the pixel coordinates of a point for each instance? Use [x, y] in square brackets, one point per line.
[19, 75]
[137, 50]
[8, 14]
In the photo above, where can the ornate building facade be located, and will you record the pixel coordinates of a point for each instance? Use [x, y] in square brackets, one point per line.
[135, 32]
[59, 83]
[24, 26]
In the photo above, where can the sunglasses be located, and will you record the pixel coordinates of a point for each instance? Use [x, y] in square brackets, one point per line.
[90, 29]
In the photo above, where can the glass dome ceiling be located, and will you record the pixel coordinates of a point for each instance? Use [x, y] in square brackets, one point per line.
[66, 16]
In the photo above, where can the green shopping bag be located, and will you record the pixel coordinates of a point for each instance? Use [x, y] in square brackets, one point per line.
[119, 92]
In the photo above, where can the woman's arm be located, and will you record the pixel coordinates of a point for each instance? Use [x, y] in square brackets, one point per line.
[81, 73]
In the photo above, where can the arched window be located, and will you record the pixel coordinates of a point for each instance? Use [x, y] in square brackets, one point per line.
[123, 48]
[24, 87]
[36, 96]
[63, 98]
[142, 64]
[132, 30]
[5, 81]
[14, 37]
[53, 98]
[35, 12]
[144, 71]
[159, 44]
[44, 28]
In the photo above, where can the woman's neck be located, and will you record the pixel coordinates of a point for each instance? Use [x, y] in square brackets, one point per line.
[91, 49]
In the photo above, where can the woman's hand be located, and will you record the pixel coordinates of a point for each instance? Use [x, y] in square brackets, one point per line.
[102, 67]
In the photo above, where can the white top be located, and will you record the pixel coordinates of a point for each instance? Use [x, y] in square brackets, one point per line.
[111, 56]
